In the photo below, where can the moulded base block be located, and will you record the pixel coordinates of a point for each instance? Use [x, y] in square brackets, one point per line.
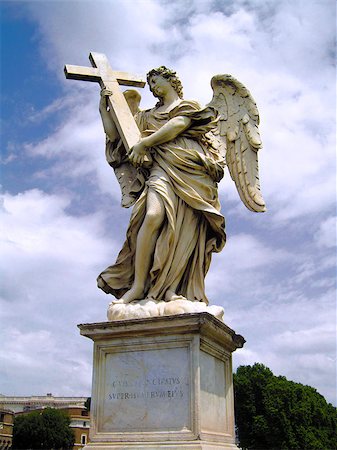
[162, 383]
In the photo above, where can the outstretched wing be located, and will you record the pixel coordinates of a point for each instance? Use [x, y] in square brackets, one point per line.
[238, 129]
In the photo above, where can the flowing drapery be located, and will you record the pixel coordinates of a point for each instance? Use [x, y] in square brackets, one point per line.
[185, 172]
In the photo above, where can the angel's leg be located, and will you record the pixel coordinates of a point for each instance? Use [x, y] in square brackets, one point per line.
[146, 242]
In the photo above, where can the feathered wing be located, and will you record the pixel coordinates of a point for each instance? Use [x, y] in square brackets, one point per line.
[238, 129]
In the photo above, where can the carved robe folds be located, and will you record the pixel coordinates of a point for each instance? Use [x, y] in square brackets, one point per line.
[184, 173]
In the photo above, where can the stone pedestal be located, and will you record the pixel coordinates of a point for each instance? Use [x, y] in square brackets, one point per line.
[162, 383]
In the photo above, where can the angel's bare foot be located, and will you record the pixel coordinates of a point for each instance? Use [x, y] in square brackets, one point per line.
[135, 293]
[172, 296]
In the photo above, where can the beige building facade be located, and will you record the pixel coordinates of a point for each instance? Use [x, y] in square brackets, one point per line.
[6, 428]
[19, 404]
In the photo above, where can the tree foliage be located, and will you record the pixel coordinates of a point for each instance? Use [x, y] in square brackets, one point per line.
[47, 429]
[276, 414]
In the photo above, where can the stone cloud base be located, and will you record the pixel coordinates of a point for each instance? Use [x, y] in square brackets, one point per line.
[162, 383]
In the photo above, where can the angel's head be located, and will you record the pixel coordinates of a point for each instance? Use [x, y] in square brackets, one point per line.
[169, 76]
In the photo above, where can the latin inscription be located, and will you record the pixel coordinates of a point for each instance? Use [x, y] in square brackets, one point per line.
[144, 389]
[155, 388]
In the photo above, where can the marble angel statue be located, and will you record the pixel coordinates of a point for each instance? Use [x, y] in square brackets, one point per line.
[172, 177]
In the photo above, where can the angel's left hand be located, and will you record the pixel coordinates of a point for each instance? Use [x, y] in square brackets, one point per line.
[137, 154]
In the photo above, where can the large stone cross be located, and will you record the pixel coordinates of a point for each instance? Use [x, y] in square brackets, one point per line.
[102, 73]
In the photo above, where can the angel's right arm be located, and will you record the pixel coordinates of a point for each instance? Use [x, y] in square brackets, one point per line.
[108, 123]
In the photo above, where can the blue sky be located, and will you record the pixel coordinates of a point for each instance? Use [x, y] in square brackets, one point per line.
[61, 209]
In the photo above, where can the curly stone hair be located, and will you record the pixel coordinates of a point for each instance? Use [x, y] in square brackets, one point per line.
[169, 75]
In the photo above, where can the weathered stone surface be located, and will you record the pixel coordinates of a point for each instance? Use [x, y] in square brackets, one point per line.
[162, 383]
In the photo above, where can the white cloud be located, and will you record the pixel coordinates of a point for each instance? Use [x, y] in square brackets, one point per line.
[54, 357]
[299, 338]
[272, 58]
[241, 267]
[49, 263]
[306, 341]
[326, 235]
[110, 27]
[274, 276]
[75, 149]
[270, 49]
[38, 226]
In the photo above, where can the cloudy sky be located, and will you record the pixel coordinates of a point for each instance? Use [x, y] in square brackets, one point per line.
[60, 206]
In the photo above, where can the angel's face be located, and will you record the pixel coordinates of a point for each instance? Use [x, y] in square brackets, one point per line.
[159, 86]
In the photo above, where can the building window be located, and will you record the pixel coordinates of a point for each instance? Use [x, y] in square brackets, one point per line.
[84, 424]
[83, 439]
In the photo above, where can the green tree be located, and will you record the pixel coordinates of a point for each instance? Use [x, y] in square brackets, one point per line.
[276, 414]
[47, 429]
